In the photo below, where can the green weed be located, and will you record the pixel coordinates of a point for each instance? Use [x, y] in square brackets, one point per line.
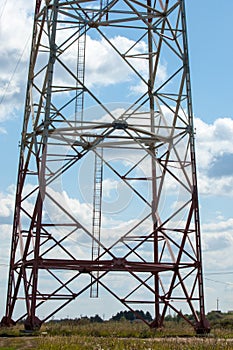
[111, 335]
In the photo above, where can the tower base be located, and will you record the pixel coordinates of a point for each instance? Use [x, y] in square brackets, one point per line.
[7, 322]
[202, 327]
[32, 324]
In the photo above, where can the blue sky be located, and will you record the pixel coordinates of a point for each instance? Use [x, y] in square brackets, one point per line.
[211, 52]
[210, 35]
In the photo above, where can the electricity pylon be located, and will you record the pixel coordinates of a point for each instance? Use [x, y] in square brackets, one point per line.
[107, 190]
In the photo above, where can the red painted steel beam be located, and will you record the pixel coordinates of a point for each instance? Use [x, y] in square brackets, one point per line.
[38, 3]
[104, 265]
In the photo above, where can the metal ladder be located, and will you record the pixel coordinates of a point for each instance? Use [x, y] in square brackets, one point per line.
[80, 73]
[96, 218]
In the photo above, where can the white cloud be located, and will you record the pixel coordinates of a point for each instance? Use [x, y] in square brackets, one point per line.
[7, 202]
[213, 139]
[213, 142]
[161, 76]
[105, 67]
[220, 226]
[222, 186]
[109, 185]
[15, 31]
[218, 236]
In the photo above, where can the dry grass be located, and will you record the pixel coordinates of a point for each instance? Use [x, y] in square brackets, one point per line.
[114, 336]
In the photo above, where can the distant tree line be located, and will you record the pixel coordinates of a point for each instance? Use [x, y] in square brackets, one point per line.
[216, 318]
[132, 316]
[120, 316]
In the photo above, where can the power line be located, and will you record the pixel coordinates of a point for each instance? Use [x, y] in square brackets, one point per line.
[12, 76]
[220, 282]
[219, 273]
[3, 9]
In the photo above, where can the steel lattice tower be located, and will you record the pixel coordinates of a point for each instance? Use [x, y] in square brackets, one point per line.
[107, 192]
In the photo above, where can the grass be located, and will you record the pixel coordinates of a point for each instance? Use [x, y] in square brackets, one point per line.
[123, 329]
[89, 343]
[114, 336]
